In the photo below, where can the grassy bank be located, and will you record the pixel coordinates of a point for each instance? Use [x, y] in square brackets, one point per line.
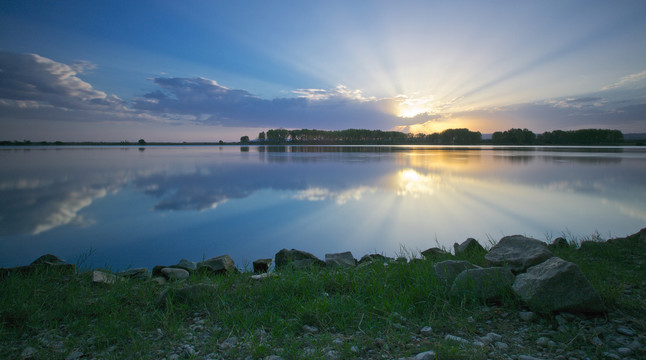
[373, 311]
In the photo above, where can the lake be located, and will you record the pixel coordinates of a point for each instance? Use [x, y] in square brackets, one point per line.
[140, 207]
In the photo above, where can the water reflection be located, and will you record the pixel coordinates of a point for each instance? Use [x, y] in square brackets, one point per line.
[339, 198]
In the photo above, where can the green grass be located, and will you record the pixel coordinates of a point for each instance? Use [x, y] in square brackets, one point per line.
[378, 308]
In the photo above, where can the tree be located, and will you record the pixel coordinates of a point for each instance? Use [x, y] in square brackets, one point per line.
[141, 142]
[244, 139]
[261, 136]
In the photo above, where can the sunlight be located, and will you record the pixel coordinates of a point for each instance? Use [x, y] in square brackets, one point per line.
[412, 106]
[412, 183]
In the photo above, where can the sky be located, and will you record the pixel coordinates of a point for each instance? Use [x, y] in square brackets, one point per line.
[218, 70]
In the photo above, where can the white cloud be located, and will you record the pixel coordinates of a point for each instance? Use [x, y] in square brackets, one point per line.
[632, 78]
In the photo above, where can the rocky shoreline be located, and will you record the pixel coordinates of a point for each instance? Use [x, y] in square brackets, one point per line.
[559, 305]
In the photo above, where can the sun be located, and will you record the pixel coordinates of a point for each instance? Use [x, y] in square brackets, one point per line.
[411, 106]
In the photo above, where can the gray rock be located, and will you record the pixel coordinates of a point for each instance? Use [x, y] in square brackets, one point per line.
[48, 259]
[625, 331]
[104, 277]
[448, 270]
[470, 245]
[558, 243]
[188, 295]
[596, 341]
[624, 351]
[187, 265]
[484, 284]
[229, 343]
[137, 273]
[310, 329]
[160, 280]
[74, 355]
[298, 259]
[458, 339]
[218, 265]
[426, 330]
[501, 346]
[262, 276]
[527, 357]
[374, 258]
[261, 265]
[426, 355]
[526, 315]
[434, 252]
[518, 253]
[273, 357]
[29, 353]
[174, 273]
[557, 285]
[344, 259]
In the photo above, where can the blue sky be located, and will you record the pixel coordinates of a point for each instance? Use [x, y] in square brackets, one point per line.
[211, 70]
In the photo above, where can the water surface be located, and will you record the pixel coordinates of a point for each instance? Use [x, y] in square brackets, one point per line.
[141, 207]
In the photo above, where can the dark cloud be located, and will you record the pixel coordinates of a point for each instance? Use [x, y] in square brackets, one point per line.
[212, 103]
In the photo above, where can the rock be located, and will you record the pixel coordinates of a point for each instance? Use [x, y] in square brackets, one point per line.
[426, 355]
[273, 357]
[262, 276]
[160, 280]
[187, 265]
[426, 330]
[624, 351]
[470, 245]
[218, 265]
[74, 355]
[175, 274]
[559, 243]
[48, 259]
[526, 315]
[374, 258]
[29, 353]
[298, 259]
[632, 240]
[190, 294]
[332, 355]
[557, 285]
[596, 341]
[518, 253]
[484, 284]
[458, 339]
[448, 270]
[228, 343]
[137, 273]
[261, 265]
[434, 252]
[501, 346]
[625, 331]
[104, 277]
[527, 357]
[310, 329]
[344, 259]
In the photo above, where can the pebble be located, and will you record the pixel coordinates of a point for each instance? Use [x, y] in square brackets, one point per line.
[354, 349]
[624, 351]
[332, 355]
[596, 341]
[542, 341]
[28, 353]
[74, 355]
[229, 343]
[426, 330]
[426, 355]
[625, 331]
[502, 346]
[456, 339]
[310, 329]
[610, 355]
[527, 357]
[273, 357]
[526, 315]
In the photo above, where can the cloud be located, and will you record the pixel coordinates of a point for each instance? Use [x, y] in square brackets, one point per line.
[211, 103]
[31, 81]
[632, 78]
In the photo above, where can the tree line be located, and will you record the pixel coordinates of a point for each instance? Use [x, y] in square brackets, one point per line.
[447, 137]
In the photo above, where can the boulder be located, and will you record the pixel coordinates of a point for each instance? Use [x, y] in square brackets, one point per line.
[470, 245]
[631, 240]
[218, 265]
[344, 259]
[434, 252]
[306, 264]
[175, 273]
[518, 252]
[374, 257]
[187, 265]
[261, 265]
[47, 259]
[557, 285]
[285, 257]
[137, 273]
[104, 277]
[188, 295]
[448, 270]
[484, 283]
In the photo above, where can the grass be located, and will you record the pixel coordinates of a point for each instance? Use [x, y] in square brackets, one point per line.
[373, 309]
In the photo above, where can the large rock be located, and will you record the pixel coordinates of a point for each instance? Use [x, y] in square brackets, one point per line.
[297, 258]
[187, 265]
[46, 264]
[344, 259]
[631, 240]
[218, 265]
[48, 259]
[470, 245]
[557, 285]
[448, 270]
[306, 264]
[370, 258]
[434, 252]
[104, 277]
[484, 284]
[518, 252]
[175, 273]
[261, 265]
[188, 295]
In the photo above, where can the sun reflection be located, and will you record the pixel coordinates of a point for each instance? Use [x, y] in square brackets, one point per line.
[412, 183]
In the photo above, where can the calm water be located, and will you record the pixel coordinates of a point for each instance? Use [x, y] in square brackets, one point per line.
[142, 207]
